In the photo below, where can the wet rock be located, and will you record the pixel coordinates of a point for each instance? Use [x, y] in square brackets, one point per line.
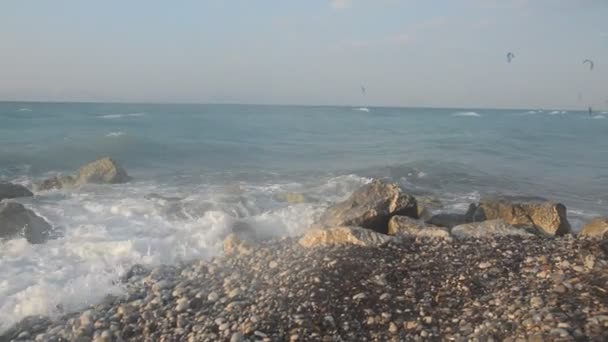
[101, 171]
[406, 226]
[371, 207]
[16, 220]
[549, 218]
[343, 236]
[487, 229]
[447, 220]
[9, 190]
[597, 228]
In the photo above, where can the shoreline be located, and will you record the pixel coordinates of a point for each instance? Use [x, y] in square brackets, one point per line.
[415, 289]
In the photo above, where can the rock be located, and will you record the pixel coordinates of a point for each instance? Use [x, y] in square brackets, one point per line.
[57, 182]
[426, 202]
[371, 207]
[233, 245]
[406, 226]
[447, 220]
[487, 229]
[237, 337]
[343, 236]
[292, 197]
[549, 218]
[597, 228]
[9, 190]
[16, 220]
[101, 171]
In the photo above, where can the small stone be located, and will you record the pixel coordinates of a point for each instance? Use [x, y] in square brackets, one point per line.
[385, 296]
[392, 328]
[237, 337]
[23, 335]
[234, 293]
[273, 264]
[182, 305]
[294, 338]
[213, 297]
[560, 289]
[360, 296]
[578, 268]
[560, 332]
[428, 319]
[589, 261]
[536, 302]
[410, 325]
[484, 265]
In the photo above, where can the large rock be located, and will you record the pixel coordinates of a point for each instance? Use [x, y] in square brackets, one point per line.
[598, 228]
[16, 220]
[406, 226]
[101, 171]
[371, 207]
[343, 236]
[9, 190]
[549, 218]
[488, 229]
[447, 220]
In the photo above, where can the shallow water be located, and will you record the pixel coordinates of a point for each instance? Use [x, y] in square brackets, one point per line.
[228, 162]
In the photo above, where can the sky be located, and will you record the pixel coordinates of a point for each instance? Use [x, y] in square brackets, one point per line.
[440, 53]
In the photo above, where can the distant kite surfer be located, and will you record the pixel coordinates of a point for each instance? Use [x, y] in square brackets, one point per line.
[590, 111]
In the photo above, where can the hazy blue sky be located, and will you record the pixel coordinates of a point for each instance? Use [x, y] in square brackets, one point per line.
[407, 53]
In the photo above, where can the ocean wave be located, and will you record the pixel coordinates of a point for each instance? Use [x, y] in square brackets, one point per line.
[469, 114]
[598, 117]
[107, 229]
[118, 116]
[362, 109]
[24, 110]
[115, 134]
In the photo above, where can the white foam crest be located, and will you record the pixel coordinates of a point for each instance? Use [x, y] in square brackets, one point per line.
[24, 109]
[362, 109]
[467, 114]
[118, 116]
[115, 134]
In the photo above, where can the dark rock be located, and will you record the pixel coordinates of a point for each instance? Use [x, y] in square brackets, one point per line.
[16, 220]
[9, 190]
[101, 171]
[447, 220]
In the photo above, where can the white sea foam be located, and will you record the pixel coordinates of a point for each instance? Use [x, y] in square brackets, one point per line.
[598, 117]
[468, 114]
[24, 110]
[118, 116]
[107, 229]
[115, 134]
[362, 109]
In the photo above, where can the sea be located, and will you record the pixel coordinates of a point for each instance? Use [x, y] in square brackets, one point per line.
[199, 169]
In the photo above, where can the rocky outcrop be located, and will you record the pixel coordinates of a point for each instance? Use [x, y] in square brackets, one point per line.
[488, 229]
[406, 226]
[598, 228]
[343, 236]
[9, 190]
[16, 220]
[371, 207]
[447, 220]
[101, 171]
[549, 218]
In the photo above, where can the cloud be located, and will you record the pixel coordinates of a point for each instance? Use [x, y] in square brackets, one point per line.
[340, 4]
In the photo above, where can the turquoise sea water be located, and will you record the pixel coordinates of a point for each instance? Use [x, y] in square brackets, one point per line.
[228, 163]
